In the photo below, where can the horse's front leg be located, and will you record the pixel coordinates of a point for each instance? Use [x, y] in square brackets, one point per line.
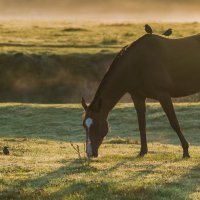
[139, 103]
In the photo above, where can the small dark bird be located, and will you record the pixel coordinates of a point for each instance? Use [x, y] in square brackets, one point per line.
[5, 151]
[148, 29]
[168, 32]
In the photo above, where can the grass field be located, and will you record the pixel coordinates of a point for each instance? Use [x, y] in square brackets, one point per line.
[43, 165]
[67, 37]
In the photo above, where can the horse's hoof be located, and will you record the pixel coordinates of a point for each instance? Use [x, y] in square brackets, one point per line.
[186, 156]
[141, 154]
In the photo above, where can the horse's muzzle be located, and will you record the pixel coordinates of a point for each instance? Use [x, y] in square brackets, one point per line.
[90, 151]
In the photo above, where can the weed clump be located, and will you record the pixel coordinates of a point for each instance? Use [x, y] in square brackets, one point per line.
[73, 29]
[109, 41]
[119, 140]
[85, 161]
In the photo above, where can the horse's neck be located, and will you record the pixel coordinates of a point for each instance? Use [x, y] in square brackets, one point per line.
[111, 88]
[107, 98]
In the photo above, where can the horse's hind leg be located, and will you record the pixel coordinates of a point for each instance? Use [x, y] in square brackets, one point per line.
[166, 102]
[139, 103]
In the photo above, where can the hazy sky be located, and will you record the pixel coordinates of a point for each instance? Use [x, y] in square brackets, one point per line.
[135, 10]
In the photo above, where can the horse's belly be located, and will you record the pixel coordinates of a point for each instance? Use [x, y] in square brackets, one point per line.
[185, 80]
[184, 90]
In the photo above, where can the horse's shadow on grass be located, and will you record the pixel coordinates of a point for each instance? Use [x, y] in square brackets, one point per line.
[101, 189]
[74, 167]
[98, 188]
[16, 191]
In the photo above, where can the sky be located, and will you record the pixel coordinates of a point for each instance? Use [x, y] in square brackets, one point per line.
[102, 10]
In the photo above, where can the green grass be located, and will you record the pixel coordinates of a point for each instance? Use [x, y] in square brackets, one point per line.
[64, 37]
[43, 165]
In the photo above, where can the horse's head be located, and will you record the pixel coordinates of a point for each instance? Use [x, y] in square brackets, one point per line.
[96, 127]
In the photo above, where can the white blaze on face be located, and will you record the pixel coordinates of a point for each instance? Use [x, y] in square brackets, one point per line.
[88, 123]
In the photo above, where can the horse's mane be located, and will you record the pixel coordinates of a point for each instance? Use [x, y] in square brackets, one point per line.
[117, 57]
[121, 53]
[107, 75]
[110, 71]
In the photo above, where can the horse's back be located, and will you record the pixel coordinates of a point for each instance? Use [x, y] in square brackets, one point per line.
[183, 65]
[171, 64]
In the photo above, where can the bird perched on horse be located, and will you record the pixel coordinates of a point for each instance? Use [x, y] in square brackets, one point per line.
[148, 29]
[168, 32]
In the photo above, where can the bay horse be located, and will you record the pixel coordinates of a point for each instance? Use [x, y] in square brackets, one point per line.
[150, 67]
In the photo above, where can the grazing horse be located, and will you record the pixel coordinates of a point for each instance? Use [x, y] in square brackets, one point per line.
[151, 67]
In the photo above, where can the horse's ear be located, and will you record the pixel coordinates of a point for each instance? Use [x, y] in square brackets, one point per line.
[84, 104]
